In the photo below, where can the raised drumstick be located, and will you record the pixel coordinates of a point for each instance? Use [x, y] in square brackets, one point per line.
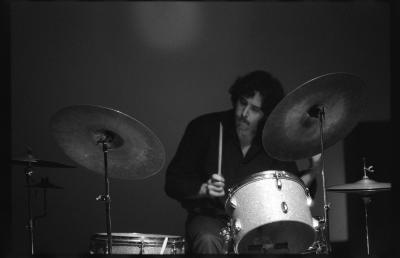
[220, 149]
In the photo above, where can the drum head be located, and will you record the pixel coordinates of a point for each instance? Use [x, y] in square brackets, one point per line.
[277, 237]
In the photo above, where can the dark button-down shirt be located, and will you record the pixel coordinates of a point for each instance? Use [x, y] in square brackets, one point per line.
[196, 160]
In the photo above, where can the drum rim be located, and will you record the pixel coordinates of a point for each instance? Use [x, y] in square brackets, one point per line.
[130, 234]
[238, 241]
[138, 238]
[266, 174]
[262, 175]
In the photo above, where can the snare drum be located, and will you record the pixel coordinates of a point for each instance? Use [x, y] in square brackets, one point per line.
[270, 213]
[137, 243]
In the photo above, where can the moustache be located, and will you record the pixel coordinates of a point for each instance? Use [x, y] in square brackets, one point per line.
[244, 120]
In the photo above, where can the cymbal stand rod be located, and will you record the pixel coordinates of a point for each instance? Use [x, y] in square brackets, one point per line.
[44, 206]
[107, 200]
[325, 232]
[28, 174]
[366, 200]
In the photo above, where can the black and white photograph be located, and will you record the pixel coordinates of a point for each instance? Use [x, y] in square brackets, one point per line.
[201, 127]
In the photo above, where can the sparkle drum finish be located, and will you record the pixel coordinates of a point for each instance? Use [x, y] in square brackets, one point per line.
[137, 243]
[270, 213]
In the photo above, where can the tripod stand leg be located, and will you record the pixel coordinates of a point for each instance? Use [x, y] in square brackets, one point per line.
[366, 200]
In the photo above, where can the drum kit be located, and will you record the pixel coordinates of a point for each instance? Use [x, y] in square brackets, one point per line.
[269, 211]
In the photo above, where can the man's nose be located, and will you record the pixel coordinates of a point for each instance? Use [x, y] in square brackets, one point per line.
[245, 111]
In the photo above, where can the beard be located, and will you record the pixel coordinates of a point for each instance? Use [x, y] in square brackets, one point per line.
[240, 120]
[243, 125]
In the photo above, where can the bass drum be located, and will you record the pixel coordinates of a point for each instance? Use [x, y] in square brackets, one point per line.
[270, 213]
[137, 243]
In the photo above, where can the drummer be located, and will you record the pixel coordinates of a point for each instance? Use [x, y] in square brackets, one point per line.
[192, 177]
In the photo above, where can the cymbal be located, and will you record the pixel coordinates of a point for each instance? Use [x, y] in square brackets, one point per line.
[134, 151]
[363, 186]
[292, 130]
[32, 161]
[45, 183]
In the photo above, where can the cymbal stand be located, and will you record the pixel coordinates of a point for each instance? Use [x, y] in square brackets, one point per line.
[44, 206]
[320, 111]
[28, 174]
[105, 140]
[367, 200]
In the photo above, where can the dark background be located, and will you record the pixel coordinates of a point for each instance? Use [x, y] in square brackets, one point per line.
[164, 63]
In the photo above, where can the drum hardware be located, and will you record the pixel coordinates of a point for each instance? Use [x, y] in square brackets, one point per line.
[325, 229]
[44, 184]
[284, 207]
[29, 161]
[227, 235]
[28, 174]
[141, 246]
[365, 188]
[309, 200]
[129, 150]
[173, 251]
[138, 243]
[233, 203]
[237, 226]
[278, 181]
[311, 118]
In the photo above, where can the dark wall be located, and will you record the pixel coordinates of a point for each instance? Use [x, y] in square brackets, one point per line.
[164, 64]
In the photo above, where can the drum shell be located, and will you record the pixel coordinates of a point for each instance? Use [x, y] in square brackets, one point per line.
[258, 213]
[137, 243]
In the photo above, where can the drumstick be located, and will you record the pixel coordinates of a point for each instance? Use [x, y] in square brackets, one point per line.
[220, 149]
[164, 245]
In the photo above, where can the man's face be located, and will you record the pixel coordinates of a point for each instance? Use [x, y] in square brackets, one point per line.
[248, 113]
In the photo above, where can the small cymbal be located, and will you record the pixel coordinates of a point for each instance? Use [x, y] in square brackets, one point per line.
[45, 183]
[134, 151]
[32, 161]
[363, 186]
[292, 130]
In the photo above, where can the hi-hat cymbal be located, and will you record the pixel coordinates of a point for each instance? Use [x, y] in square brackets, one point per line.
[363, 186]
[292, 130]
[45, 183]
[134, 151]
[29, 160]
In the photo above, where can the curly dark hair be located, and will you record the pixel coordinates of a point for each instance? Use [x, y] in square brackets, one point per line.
[268, 86]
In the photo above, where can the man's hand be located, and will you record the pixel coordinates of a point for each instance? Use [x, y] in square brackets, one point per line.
[315, 163]
[214, 187]
[315, 160]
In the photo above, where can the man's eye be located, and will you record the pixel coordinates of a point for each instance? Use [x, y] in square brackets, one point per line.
[243, 101]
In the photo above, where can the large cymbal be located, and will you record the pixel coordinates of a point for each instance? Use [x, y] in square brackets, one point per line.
[363, 186]
[134, 152]
[292, 130]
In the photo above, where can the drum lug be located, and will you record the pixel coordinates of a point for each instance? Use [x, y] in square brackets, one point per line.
[173, 251]
[237, 226]
[278, 180]
[284, 207]
[233, 202]
[308, 197]
[141, 247]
